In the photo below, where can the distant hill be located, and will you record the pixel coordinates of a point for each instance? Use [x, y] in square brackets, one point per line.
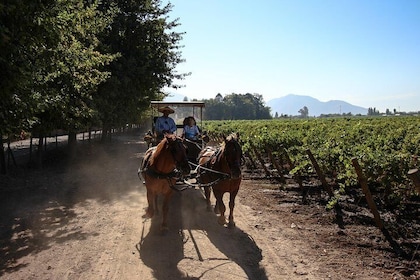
[173, 97]
[291, 104]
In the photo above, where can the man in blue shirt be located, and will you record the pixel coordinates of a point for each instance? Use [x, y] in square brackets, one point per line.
[164, 124]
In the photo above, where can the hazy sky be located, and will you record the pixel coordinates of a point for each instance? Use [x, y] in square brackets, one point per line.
[365, 52]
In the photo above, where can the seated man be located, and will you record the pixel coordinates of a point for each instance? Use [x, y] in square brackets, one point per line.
[164, 124]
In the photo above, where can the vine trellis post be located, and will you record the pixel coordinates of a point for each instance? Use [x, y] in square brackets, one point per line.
[320, 174]
[276, 165]
[298, 175]
[414, 175]
[368, 195]
[260, 159]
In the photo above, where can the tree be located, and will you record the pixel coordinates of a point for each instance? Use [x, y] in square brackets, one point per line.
[237, 106]
[16, 66]
[216, 110]
[50, 65]
[149, 48]
[73, 63]
[373, 112]
[304, 112]
[59, 66]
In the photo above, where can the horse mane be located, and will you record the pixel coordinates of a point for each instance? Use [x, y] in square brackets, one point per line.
[230, 137]
[159, 148]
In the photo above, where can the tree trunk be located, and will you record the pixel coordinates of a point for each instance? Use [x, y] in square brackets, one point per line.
[2, 157]
[72, 140]
[106, 133]
[39, 151]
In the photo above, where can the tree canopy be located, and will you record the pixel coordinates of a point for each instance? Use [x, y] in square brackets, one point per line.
[149, 53]
[71, 64]
[237, 107]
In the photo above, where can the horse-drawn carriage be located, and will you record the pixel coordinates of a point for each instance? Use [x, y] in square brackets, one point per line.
[175, 164]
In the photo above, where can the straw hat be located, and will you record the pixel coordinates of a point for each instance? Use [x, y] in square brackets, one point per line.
[166, 109]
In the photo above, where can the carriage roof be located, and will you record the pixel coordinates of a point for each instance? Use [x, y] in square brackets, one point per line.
[159, 104]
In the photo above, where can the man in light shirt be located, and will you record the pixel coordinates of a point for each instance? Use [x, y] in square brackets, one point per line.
[164, 124]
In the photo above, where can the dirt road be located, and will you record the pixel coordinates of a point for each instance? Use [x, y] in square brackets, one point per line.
[81, 218]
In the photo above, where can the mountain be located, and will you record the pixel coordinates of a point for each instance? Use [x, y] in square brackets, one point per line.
[175, 97]
[291, 104]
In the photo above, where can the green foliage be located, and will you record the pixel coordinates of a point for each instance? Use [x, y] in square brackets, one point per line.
[69, 63]
[18, 43]
[149, 53]
[386, 148]
[50, 63]
[72, 66]
[237, 107]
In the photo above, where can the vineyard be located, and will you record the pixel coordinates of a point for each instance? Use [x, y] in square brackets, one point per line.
[363, 160]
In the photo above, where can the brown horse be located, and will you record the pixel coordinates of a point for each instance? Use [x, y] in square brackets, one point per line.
[158, 170]
[220, 168]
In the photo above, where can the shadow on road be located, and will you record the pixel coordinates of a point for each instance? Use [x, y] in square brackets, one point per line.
[162, 252]
[37, 206]
[188, 216]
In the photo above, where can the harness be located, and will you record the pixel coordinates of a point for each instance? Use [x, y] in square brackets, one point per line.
[206, 166]
[174, 174]
[158, 175]
[194, 143]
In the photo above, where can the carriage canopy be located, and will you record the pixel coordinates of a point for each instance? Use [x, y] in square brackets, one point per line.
[182, 110]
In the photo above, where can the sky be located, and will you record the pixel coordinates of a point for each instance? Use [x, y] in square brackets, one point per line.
[365, 52]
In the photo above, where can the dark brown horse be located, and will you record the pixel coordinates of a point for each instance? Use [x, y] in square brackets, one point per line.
[158, 170]
[220, 168]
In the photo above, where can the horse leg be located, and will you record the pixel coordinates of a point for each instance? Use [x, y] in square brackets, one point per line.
[216, 209]
[151, 199]
[207, 194]
[220, 206]
[231, 223]
[165, 208]
[156, 208]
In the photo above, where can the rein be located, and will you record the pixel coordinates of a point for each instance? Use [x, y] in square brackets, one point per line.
[193, 142]
[158, 175]
[223, 175]
[174, 174]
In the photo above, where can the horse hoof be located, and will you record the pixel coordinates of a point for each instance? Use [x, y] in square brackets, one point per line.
[147, 215]
[222, 222]
[208, 208]
[164, 230]
[216, 210]
[231, 225]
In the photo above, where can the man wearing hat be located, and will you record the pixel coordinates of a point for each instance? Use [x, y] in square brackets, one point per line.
[164, 124]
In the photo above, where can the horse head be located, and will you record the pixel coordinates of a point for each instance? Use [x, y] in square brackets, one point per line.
[233, 154]
[179, 153]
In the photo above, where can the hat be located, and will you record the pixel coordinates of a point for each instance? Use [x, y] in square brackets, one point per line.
[166, 109]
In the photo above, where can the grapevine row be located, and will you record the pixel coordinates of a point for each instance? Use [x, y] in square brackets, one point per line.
[386, 148]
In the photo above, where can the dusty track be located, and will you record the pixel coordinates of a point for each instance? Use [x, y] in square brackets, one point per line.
[81, 218]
